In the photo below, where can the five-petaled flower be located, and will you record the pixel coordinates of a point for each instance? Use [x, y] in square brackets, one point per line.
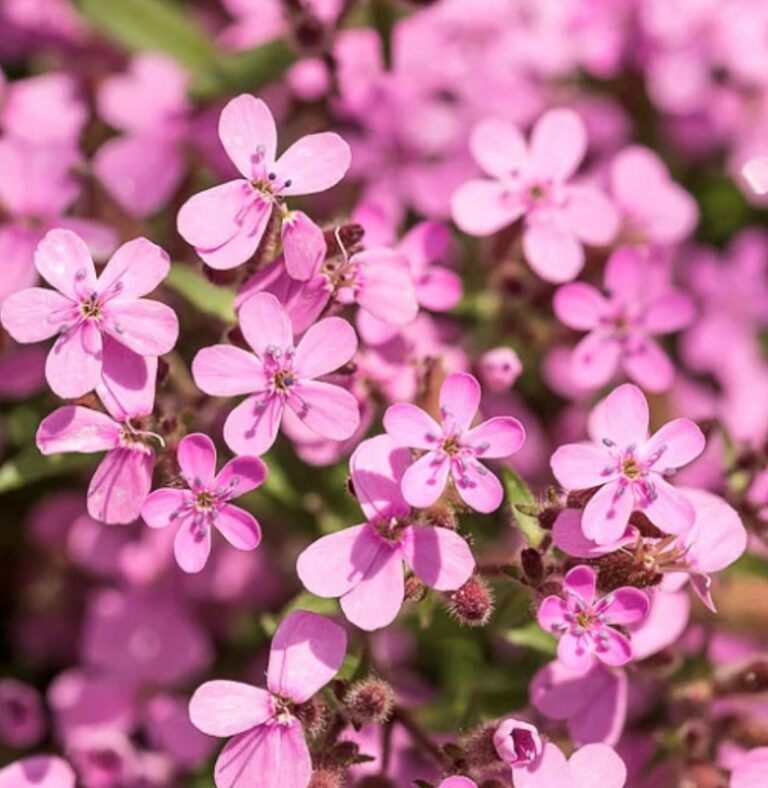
[586, 625]
[205, 503]
[453, 448]
[268, 747]
[628, 467]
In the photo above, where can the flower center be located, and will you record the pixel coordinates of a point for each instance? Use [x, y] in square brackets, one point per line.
[205, 500]
[525, 747]
[631, 468]
[90, 308]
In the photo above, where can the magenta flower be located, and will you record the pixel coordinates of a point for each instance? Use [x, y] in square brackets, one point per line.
[22, 716]
[225, 224]
[204, 504]
[453, 449]
[123, 479]
[517, 743]
[533, 181]
[586, 625]
[103, 324]
[38, 771]
[363, 565]
[268, 748]
[629, 467]
[277, 374]
[621, 327]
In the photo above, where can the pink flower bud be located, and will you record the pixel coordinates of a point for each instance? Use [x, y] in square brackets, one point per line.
[500, 368]
[518, 743]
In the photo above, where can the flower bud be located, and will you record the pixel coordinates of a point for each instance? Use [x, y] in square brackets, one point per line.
[517, 743]
[313, 715]
[369, 700]
[415, 590]
[533, 566]
[326, 778]
[479, 748]
[472, 604]
[500, 368]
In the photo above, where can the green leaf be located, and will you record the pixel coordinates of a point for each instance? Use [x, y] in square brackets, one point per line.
[315, 604]
[532, 636]
[207, 297]
[154, 25]
[522, 501]
[30, 466]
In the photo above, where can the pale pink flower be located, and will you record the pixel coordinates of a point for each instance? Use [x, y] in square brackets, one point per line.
[586, 625]
[205, 502]
[517, 743]
[752, 770]
[453, 449]
[38, 771]
[278, 374]
[533, 180]
[628, 467]
[755, 171]
[123, 479]
[363, 565]
[593, 764]
[622, 325]
[225, 224]
[500, 368]
[269, 749]
[103, 324]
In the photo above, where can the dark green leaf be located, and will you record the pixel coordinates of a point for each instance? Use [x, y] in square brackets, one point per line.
[522, 501]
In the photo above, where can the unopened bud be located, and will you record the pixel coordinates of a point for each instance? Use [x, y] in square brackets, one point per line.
[548, 516]
[369, 700]
[343, 753]
[533, 566]
[500, 368]
[479, 748]
[472, 604]
[326, 778]
[618, 569]
[442, 516]
[578, 499]
[313, 715]
[415, 590]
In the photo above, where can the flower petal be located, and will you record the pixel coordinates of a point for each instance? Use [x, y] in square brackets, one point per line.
[409, 425]
[595, 359]
[214, 216]
[240, 528]
[629, 606]
[670, 312]
[424, 481]
[227, 371]
[135, 269]
[77, 429]
[622, 417]
[483, 207]
[597, 766]
[304, 246]
[614, 649]
[439, 557]
[670, 510]
[265, 324]
[552, 251]
[558, 144]
[377, 466]
[580, 466]
[328, 410]
[226, 708]
[35, 314]
[251, 428]
[647, 364]
[241, 474]
[579, 306]
[120, 486]
[607, 513]
[498, 147]
[127, 385]
[251, 224]
[498, 437]
[591, 215]
[65, 262]
[248, 133]
[313, 164]
[196, 456]
[326, 346]
[460, 399]
[582, 581]
[478, 487]
[160, 508]
[375, 601]
[551, 769]
[675, 444]
[74, 363]
[192, 546]
[149, 328]
[575, 652]
[551, 613]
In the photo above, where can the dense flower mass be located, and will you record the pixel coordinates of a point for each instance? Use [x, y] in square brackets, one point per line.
[384, 393]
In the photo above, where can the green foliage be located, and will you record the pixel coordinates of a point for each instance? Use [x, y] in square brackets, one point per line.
[202, 294]
[532, 636]
[30, 466]
[522, 502]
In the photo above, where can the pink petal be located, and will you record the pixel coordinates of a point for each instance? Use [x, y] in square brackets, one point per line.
[120, 486]
[575, 652]
[251, 225]
[550, 770]
[227, 371]
[626, 274]
[326, 346]
[251, 428]
[616, 650]
[77, 429]
[623, 417]
[135, 269]
[551, 613]
[377, 465]
[670, 312]
[597, 766]
[409, 425]
[579, 306]
[304, 246]
[498, 437]
[676, 444]
[648, 365]
[240, 528]
[192, 545]
[567, 535]
[127, 385]
[225, 708]
[328, 410]
[307, 652]
[591, 215]
[17, 250]
[38, 771]
[423, 483]
[269, 756]
[498, 147]
[670, 510]
[595, 359]
[196, 456]
[458, 782]
[241, 475]
[336, 563]
[582, 581]
[100, 237]
[479, 488]
[558, 144]
[265, 323]
[439, 289]
[385, 286]
[249, 136]
[580, 466]
[376, 600]
[607, 513]
[755, 172]
[664, 625]
[460, 399]
[73, 366]
[751, 770]
[718, 537]
[65, 262]
[552, 251]
[35, 314]
[629, 606]
[212, 217]
[483, 207]
[159, 510]
[439, 557]
[149, 328]
[313, 164]
[375, 332]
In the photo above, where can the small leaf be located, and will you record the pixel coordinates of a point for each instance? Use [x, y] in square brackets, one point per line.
[532, 636]
[30, 466]
[207, 297]
[522, 501]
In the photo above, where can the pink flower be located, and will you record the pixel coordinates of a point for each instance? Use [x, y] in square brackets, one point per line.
[751, 771]
[593, 764]
[22, 718]
[225, 224]
[457, 781]
[628, 467]
[755, 171]
[533, 181]
[363, 565]
[586, 625]
[205, 502]
[123, 479]
[621, 327]
[517, 743]
[38, 771]
[278, 374]
[453, 449]
[268, 748]
[500, 368]
[103, 324]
